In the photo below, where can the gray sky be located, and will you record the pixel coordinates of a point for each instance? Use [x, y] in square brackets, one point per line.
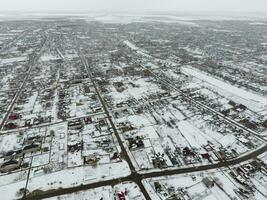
[135, 5]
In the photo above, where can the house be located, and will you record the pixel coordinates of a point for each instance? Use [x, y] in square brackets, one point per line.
[121, 196]
[91, 159]
[226, 112]
[10, 165]
[32, 139]
[188, 152]
[75, 125]
[10, 125]
[96, 109]
[136, 143]
[241, 107]
[32, 148]
[126, 127]
[232, 103]
[13, 116]
[119, 86]
[115, 156]
[249, 124]
[159, 162]
[221, 155]
[13, 154]
[102, 122]
[74, 147]
[9, 154]
[88, 120]
[205, 156]
[158, 187]
[256, 165]
[208, 182]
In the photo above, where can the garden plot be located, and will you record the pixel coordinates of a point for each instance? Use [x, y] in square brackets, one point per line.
[75, 159]
[10, 142]
[59, 143]
[13, 60]
[72, 177]
[139, 121]
[176, 138]
[94, 194]
[133, 88]
[157, 148]
[80, 104]
[49, 57]
[39, 160]
[129, 190]
[141, 157]
[260, 182]
[193, 136]
[193, 186]
[147, 132]
[11, 191]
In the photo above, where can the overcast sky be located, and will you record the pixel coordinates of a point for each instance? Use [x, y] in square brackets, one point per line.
[135, 5]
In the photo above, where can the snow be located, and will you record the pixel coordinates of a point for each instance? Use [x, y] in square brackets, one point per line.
[9, 193]
[143, 87]
[137, 49]
[227, 140]
[92, 194]
[12, 60]
[42, 159]
[264, 57]
[46, 58]
[9, 142]
[249, 98]
[131, 45]
[142, 159]
[79, 175]
[133, 191]
[139, 120]
[123, 18]
[257, 23]
[70, 56]
[192, 135]
[105, 192]
[195, 187]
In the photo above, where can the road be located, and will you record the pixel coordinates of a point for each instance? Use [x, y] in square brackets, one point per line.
[112, 182]
[13, 41]
[197, 103]
[135, 176]
[31, 64]
[6, 132]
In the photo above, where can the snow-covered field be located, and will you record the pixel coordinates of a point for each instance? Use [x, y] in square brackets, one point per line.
[67, 178]
[251, 100]
[224, 186]
[12, 60]
[46, 58]
[142, 87]
[130, 190]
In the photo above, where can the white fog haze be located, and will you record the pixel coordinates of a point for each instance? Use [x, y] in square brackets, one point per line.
[134, 5]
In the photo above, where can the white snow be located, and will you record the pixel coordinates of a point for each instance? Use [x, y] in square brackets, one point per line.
[241, 93]
[46, 58]
[12, 60]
